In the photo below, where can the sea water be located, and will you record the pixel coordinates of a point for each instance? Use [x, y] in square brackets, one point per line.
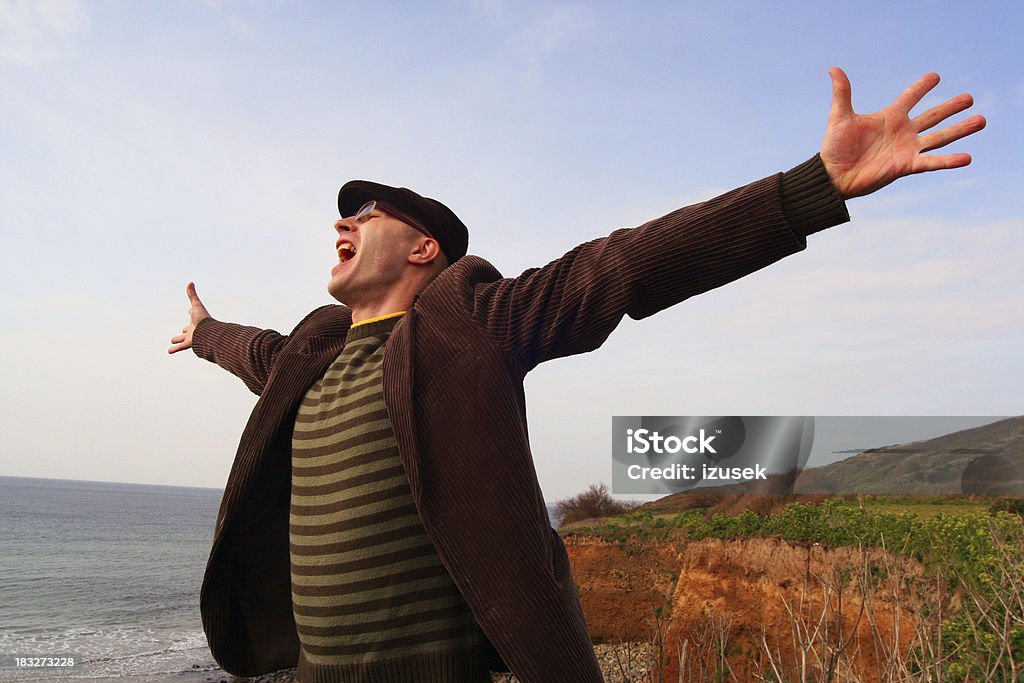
[107, 574]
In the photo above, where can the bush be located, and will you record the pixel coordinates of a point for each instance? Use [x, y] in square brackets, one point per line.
[596, 501]
[1014, 506]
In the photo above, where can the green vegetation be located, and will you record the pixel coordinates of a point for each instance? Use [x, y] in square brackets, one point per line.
[926, 506]
[972, 548]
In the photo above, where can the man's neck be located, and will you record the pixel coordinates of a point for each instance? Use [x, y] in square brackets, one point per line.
[397, 298]
[395, 302]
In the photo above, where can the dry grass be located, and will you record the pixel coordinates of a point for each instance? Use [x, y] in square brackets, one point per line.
[844, 625]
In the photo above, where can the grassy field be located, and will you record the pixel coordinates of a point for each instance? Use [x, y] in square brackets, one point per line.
[922, 507]
[926, 507]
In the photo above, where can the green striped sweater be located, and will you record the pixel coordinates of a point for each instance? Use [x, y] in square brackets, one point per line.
[371, 598]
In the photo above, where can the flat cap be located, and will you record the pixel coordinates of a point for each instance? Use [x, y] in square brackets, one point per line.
[439, 221]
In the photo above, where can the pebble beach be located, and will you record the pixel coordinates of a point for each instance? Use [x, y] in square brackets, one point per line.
[615, 665]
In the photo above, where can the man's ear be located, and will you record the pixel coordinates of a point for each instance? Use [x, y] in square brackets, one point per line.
[426, 251]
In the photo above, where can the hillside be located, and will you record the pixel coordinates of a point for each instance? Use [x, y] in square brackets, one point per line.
[986, 460]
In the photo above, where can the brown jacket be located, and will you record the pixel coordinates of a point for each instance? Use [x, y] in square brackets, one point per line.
[453, 385]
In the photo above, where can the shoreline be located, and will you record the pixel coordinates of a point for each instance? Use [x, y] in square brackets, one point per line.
[612, 659]
[218, 675]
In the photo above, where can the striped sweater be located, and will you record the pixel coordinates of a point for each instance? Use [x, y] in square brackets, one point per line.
[371, 599]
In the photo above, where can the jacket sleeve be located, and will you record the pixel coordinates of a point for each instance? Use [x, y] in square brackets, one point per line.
[572, 304]
[246, 352]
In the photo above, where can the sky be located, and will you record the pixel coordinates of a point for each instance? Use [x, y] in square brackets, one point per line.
[146, 144]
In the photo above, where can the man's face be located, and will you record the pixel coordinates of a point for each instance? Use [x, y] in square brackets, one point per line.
[373, 249]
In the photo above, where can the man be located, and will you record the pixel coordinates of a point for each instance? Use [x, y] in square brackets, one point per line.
[382, 520]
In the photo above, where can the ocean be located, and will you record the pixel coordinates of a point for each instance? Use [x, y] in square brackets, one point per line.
[106, 574]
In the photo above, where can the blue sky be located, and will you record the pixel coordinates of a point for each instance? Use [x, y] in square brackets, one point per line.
[146, 144]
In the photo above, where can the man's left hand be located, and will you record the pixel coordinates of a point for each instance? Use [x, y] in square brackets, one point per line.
[865, 152]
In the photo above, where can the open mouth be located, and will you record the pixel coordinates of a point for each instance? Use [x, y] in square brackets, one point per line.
[346, 251]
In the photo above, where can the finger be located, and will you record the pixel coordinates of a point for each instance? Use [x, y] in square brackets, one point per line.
[178, 345]
[190, 291]
[938, 114]
[178, 338]
[957, 131]
[917, 90]
[842, 98]
[940, 162]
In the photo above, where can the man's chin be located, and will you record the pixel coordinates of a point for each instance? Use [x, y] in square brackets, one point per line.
[336, 291]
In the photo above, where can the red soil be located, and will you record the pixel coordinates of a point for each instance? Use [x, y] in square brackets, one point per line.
[741, 588]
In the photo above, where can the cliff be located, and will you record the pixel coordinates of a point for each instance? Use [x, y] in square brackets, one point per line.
[714, 601]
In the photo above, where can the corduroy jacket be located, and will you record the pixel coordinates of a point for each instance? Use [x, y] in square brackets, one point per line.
[453, 385]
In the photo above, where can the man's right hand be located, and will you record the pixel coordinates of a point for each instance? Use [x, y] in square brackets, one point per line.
[196, 312]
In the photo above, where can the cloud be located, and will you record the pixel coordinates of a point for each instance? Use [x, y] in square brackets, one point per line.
[916, 278]
[37, 30]
[495, 10]
[555, 29]
[535, 37]
[1018, 95]
[228, 14]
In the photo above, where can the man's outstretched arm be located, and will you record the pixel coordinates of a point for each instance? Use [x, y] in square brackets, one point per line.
[573, 303]
[246, 352]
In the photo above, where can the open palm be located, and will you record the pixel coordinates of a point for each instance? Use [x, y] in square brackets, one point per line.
[865, 152]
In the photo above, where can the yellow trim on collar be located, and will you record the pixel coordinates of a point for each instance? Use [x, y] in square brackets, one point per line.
[378, 318]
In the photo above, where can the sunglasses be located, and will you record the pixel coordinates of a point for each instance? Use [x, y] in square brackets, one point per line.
[363, 214]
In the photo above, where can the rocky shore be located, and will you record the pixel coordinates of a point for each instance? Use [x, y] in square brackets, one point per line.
[619, 663]
[623, 663]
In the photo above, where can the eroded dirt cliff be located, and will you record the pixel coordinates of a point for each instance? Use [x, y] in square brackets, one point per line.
[737, 600]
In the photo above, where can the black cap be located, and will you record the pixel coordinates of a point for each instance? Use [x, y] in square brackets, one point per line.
[440, 221]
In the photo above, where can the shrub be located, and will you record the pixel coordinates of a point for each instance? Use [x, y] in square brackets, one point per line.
[596, 501]
[1014, 506]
